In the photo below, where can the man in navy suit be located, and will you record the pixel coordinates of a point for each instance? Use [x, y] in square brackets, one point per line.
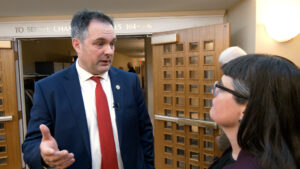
[63, 129]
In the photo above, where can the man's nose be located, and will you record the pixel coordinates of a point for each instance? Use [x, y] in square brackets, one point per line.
[109, 50]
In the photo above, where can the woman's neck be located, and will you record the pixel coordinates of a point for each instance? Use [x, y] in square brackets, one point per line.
[231, 133]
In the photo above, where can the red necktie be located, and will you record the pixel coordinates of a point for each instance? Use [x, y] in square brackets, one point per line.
[108, 149]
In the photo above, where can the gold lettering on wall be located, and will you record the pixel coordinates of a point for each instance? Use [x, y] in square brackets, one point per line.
[132, 26]
[31, 29]
[21, 30]
[62, 28]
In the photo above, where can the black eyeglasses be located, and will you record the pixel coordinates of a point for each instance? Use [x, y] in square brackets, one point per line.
[218, 85]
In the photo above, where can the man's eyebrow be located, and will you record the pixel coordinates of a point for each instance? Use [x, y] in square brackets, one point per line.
[100, 39]
[103, 39]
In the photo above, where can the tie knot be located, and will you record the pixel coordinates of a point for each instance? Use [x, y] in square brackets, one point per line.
[96, 79]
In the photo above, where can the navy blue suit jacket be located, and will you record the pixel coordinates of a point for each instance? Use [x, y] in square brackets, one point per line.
[58, 103]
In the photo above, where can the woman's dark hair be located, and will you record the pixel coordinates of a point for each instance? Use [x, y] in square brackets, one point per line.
[82, 19]
[271, 123]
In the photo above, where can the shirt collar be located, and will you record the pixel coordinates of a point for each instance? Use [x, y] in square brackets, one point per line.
[85, 75]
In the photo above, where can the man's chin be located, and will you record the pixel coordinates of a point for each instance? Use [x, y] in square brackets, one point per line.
[103, 69]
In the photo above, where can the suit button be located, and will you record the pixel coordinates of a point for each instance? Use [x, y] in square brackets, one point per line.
[89, 166]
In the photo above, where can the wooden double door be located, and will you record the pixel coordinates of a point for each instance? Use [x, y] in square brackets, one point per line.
[184, 72]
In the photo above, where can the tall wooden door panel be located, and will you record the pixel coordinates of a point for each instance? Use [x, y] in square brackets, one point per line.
[184, 73]
[10, 155]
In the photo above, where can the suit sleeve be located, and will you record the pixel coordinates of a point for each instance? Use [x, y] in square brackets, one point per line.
[145, 128]
[38, 115]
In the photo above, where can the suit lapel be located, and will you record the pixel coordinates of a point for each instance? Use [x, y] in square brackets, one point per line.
[116, 86]
[72, 87]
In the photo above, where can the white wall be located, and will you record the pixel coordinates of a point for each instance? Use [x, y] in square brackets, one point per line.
[248, 31]
[265, 44]
[242, 19]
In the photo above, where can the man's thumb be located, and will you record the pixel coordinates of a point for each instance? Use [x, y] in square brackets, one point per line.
[45, 132]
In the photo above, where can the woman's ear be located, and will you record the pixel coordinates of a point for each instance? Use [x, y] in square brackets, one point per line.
[242, 110]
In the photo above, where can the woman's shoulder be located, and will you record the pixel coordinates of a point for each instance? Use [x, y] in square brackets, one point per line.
[224, 160]
[245, 161]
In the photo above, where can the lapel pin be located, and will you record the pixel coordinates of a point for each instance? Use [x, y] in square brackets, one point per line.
[118, 87]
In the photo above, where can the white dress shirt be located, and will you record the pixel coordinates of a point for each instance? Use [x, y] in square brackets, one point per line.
[88, 87]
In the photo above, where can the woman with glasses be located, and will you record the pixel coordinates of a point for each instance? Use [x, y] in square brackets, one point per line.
[257, 104]
[227, 55]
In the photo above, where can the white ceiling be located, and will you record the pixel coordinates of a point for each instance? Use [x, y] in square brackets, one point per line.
[69, 7]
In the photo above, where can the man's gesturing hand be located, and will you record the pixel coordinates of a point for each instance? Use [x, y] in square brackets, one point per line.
[50, 153]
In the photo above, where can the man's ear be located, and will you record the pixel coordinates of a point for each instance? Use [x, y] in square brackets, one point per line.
[76, 44]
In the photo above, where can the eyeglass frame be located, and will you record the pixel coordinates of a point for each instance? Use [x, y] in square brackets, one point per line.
[217, 85]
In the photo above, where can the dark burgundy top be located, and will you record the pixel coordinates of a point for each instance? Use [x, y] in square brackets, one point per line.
[244, 161]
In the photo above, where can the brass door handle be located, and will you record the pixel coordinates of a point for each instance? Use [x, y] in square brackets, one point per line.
[5, 118]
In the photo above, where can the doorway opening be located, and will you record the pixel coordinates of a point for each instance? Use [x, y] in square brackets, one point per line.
[42, 57]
